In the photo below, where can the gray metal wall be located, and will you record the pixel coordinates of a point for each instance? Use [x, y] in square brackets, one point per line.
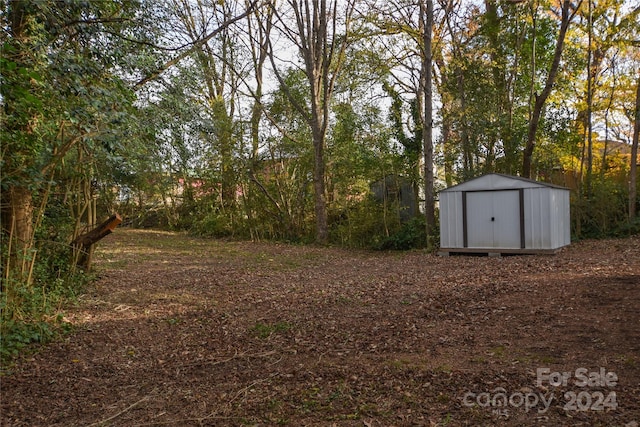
[546, 214]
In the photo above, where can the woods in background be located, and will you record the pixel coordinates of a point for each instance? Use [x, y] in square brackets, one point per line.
[275, 120]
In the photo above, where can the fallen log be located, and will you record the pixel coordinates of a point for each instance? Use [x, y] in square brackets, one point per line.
[84, 243]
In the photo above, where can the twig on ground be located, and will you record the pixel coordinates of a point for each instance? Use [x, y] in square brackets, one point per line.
[235, 356]
[128, 408]
[184, 420]
[244, 389]
[213, 415]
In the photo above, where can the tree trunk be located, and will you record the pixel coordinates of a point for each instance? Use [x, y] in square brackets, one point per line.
[541, 99]
[317, 68]
[590, 78]
[448, 102]
[467, 154]
[320, 201]
[447, 143]
[501, 99]
[426, 22]
[84, 243]
[323, 52]
[17, 219]
[224, 133]
[633, 194]
[17, 200]
[218, 82]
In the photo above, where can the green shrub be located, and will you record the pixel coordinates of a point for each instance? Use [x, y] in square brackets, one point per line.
[627, 228]
[212, 225]
[411, 235]
[31, 311]
[369, 224]
[363, 224]
[603, 212]
[18, 334]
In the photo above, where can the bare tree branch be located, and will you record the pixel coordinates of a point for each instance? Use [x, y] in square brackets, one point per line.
[196, 45]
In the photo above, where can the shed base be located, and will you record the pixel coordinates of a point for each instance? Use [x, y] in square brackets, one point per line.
[496, 252]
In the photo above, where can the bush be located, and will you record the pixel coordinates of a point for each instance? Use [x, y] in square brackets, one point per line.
[363, 224]
[411, 235]
[368, 224]
[31, 312]
[627, 228]
[212, 225]
[603, 212]
[18, 334]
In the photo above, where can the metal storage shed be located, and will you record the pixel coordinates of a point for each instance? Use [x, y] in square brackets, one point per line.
[498, 213]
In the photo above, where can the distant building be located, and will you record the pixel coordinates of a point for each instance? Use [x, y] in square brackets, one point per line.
[398, 190]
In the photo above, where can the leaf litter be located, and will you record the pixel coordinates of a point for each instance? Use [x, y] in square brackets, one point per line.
[184, 331]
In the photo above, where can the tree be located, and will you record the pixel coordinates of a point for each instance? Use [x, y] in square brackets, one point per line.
[633, 170]
[605, 25]
[20, 102]
[426, 89]
[284, 173]
[61, 105]
[412, 24]
[215, 60]
[450, 83]
[259, 25]
[539, 100]
[314, 32]
[426, 30]
[58, 93]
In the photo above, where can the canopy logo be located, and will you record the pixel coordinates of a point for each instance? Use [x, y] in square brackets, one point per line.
[592, 395]
[499, 400]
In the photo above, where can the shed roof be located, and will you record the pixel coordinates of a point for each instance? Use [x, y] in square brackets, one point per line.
[498, 181]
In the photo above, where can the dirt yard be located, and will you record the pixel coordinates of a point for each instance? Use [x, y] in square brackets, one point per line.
[180, 331]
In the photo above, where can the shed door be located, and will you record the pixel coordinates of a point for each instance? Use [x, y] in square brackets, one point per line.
[493, 219]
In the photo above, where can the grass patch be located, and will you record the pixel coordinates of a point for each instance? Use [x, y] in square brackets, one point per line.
[157, 245]
[497, 351]
[265, 330]
[629, 361]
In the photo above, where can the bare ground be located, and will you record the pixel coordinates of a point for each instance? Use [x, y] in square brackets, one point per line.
[192, 332]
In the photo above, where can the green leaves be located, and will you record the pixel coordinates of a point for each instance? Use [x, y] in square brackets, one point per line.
[8, 65]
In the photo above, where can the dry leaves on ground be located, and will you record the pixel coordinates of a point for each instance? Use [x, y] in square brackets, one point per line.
[182, 331]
